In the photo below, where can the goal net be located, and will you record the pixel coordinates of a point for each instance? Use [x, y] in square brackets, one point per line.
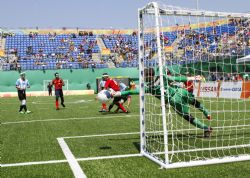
[45, 87]
[208, 123]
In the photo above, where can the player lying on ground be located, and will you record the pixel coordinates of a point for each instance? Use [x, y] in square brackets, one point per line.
[177, 97]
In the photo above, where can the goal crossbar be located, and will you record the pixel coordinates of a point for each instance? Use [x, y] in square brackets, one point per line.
[172, 10]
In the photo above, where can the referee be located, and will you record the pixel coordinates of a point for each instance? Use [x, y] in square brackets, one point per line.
[21, 85]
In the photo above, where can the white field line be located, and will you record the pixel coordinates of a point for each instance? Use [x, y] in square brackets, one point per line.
[81, 118]
[65, 161]
[52, 101]
[34, 163]
[109, 157]
[75, 167]
[67, 102]
[102, 135]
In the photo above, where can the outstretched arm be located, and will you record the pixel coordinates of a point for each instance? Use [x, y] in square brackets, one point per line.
[183, 78]
[130, 92]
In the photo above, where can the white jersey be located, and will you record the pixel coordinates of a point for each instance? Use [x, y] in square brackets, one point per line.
[22, 84]
[122, 86]
[102, 83]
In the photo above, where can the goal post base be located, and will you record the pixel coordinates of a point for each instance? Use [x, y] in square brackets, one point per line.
[228, 159]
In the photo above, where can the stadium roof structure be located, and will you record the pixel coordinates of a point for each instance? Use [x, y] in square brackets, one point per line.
[245, 59]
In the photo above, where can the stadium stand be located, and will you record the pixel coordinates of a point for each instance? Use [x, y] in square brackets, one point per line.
[35, 51]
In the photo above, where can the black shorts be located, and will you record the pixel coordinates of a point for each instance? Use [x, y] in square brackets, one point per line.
[59, 93]
[21, 94]
[117, 99]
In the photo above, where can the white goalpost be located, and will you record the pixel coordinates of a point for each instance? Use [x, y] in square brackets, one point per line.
[65, 87]
[193, 42]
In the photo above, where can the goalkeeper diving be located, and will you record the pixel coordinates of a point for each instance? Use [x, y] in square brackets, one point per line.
[178, 97]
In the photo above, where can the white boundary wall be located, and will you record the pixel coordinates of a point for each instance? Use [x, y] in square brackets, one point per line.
[218, 89]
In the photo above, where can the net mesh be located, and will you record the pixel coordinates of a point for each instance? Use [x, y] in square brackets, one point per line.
[190, 45]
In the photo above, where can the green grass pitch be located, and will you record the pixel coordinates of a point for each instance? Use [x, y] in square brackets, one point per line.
[35, 140]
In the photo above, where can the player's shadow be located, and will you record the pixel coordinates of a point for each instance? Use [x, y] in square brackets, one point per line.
[136, 144]
[105, 147]
[111, 113]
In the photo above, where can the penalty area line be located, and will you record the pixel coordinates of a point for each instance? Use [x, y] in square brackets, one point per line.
[66, 161]
[75, 167]
[102, 135]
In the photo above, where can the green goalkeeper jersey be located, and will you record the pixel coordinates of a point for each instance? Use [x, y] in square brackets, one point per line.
[169, 89]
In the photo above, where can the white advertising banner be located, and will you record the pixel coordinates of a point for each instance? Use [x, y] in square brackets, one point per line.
[231, 89]
[208, 89]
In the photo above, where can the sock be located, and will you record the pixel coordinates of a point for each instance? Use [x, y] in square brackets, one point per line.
[204, 110]
[104, 106]
[62, 99]
[122, 107]
[57, 105]
[21, 108]
[201, 107]
[25, 108]
[111, 106]
[199, 124]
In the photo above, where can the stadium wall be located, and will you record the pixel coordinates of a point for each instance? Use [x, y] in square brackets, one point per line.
[78, 79]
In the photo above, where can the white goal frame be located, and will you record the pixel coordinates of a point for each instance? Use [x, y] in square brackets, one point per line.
[154, 10]
[65, 87]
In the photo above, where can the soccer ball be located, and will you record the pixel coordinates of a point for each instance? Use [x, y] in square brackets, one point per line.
[104, 96]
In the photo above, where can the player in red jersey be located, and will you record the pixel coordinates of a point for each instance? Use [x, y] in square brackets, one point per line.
[114, 86]
[58, 84]
[110, 83]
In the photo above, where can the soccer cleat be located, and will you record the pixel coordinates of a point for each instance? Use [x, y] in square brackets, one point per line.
[209, 117]
[103, 110]
[207, 133]
[127, 112]
[57, 108]
[27, 112]
[63, 105]
[21, 112]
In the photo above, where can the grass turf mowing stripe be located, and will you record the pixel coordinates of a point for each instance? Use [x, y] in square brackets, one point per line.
[75, 167]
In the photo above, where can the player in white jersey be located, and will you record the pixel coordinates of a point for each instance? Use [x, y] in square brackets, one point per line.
[101, 87]
[21, 85]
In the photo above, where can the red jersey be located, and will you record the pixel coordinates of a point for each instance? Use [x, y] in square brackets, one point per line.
[58, 83]
[189, 86]
[110, 83]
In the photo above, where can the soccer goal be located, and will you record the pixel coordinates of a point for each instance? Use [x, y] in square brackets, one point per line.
[45, 87]
[193, 42]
